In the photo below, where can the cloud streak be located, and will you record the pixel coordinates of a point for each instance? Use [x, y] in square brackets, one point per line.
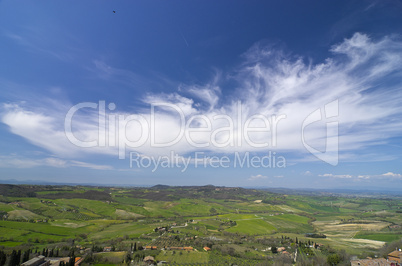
[388, 176]
[14, 161]
[257, 177]
[363, 74]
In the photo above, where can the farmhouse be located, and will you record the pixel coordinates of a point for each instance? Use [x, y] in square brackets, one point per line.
[395, 256]
[149, 260]
[207, 249]
[150, 247]
[161, 229]
[319, 246]
[181, 248]
[107, 249]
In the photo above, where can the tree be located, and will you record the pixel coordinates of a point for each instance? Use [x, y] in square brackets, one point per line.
[333, 259]
[13, 258]
[3, 258]
[71, 262]
[128, 258]
[274, 249]
[25, 256]
[18, 257]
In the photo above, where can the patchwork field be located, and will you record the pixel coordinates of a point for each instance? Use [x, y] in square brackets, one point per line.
[192, 216]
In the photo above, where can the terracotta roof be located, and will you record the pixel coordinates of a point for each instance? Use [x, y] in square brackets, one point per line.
[395, 256]
[370, 262]
[149, 258]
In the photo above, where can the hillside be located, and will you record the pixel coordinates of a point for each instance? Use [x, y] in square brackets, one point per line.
[232, 220]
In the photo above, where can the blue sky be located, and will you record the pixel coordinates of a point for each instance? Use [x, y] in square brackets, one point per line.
[328, 72]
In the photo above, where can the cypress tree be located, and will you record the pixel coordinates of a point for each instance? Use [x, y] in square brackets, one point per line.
[3, 258]
[18, 259]
[13, 258]
[71, 262]
[25, 256]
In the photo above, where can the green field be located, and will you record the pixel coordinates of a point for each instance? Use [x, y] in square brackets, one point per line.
[183, 257]
[380, 237]
[238, 224]
[256, 226]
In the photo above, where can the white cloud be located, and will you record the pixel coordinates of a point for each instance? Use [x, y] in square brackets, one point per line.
[336, 176]
[14, 161]
[90, 165]
[268, 83]
[257, 177]
[390, 174]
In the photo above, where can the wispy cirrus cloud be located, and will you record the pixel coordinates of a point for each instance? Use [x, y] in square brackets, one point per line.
[14, 161]
[43, 40]
[363, 74]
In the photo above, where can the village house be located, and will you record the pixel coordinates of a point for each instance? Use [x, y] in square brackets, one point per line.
[149, 260]
[181, 248]
[107, 249]
[78, 261]
[395, 256]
